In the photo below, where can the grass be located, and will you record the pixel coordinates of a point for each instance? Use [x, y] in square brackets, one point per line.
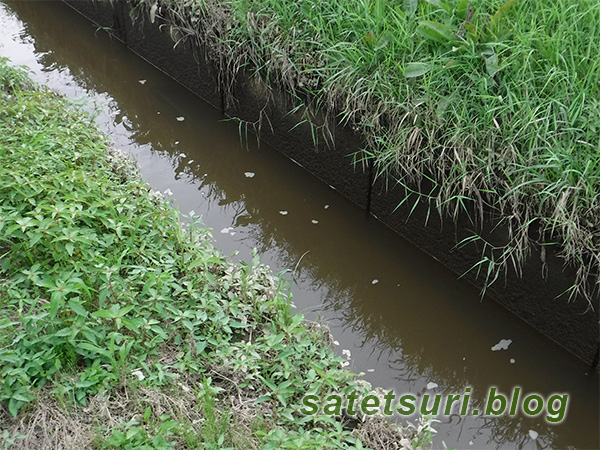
[478, 107]
[122, 328]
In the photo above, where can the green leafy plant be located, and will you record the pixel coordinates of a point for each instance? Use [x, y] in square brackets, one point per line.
[110, 306]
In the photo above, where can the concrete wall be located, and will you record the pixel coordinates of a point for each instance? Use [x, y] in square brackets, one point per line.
[533, 299]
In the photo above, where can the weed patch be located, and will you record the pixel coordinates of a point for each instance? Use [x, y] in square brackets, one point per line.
[123, 328]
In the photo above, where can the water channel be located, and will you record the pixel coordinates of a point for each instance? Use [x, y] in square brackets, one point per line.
[409, 324]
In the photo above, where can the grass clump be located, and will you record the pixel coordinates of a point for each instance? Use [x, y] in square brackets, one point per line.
[120, 327]
[478, 107]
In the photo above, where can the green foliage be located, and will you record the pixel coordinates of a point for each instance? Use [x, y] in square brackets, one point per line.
[130, 436]
[102, 288]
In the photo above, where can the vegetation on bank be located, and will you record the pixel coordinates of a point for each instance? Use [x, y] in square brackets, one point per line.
[474, 106]
[122, 328]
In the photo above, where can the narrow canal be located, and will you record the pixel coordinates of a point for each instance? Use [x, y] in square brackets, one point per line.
[409, 324]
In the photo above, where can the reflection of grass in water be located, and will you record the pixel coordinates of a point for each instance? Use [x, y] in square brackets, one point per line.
[493, 103]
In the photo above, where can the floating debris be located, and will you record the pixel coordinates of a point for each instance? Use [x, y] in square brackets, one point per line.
[180, 119]
[142, 81]
[375, 281]
[226, 230]
[183, 155]
[283, 213]
[346, 353]
[502, 345]
[168, 192]
[326, 206]
[371, 370]
[533, 434]
[315, 221]
[191, 161]
[249, 174]
[431, 385]
[157, 112]
[176, 142]
[512, 360]
[336, 343]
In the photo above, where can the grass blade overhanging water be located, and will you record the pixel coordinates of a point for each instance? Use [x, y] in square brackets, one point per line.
[496, 104]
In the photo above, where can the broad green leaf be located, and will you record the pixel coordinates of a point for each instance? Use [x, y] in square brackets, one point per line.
[262, 398]
[370, 38]
[13, 406]
[8, 324]
[440, 4]
[20, 397]
[500, 13]
[285, 354]
[410, 7]
[56, 301]
[78, 308]
[491, 64]
[132, 324]
[436, 31]
[416, 69]
[95, 349]
[125, 310]
[11, 357]
[104, 313]
[86, 383]
[64, 332]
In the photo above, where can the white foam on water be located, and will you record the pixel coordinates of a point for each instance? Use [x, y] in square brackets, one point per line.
[502, 345]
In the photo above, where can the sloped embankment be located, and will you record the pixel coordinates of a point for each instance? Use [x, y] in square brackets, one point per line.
[122, 328]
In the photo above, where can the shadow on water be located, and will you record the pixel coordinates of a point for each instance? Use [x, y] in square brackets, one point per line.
[407, 321]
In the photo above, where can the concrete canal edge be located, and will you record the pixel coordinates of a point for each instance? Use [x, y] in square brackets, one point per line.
[571, 324]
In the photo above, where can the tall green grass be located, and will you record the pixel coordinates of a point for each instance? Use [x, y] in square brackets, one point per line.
[496, 104]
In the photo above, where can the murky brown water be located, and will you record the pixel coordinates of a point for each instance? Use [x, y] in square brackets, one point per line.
[417, 325]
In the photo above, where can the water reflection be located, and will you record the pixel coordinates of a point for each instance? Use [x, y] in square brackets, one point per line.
[417, 325]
